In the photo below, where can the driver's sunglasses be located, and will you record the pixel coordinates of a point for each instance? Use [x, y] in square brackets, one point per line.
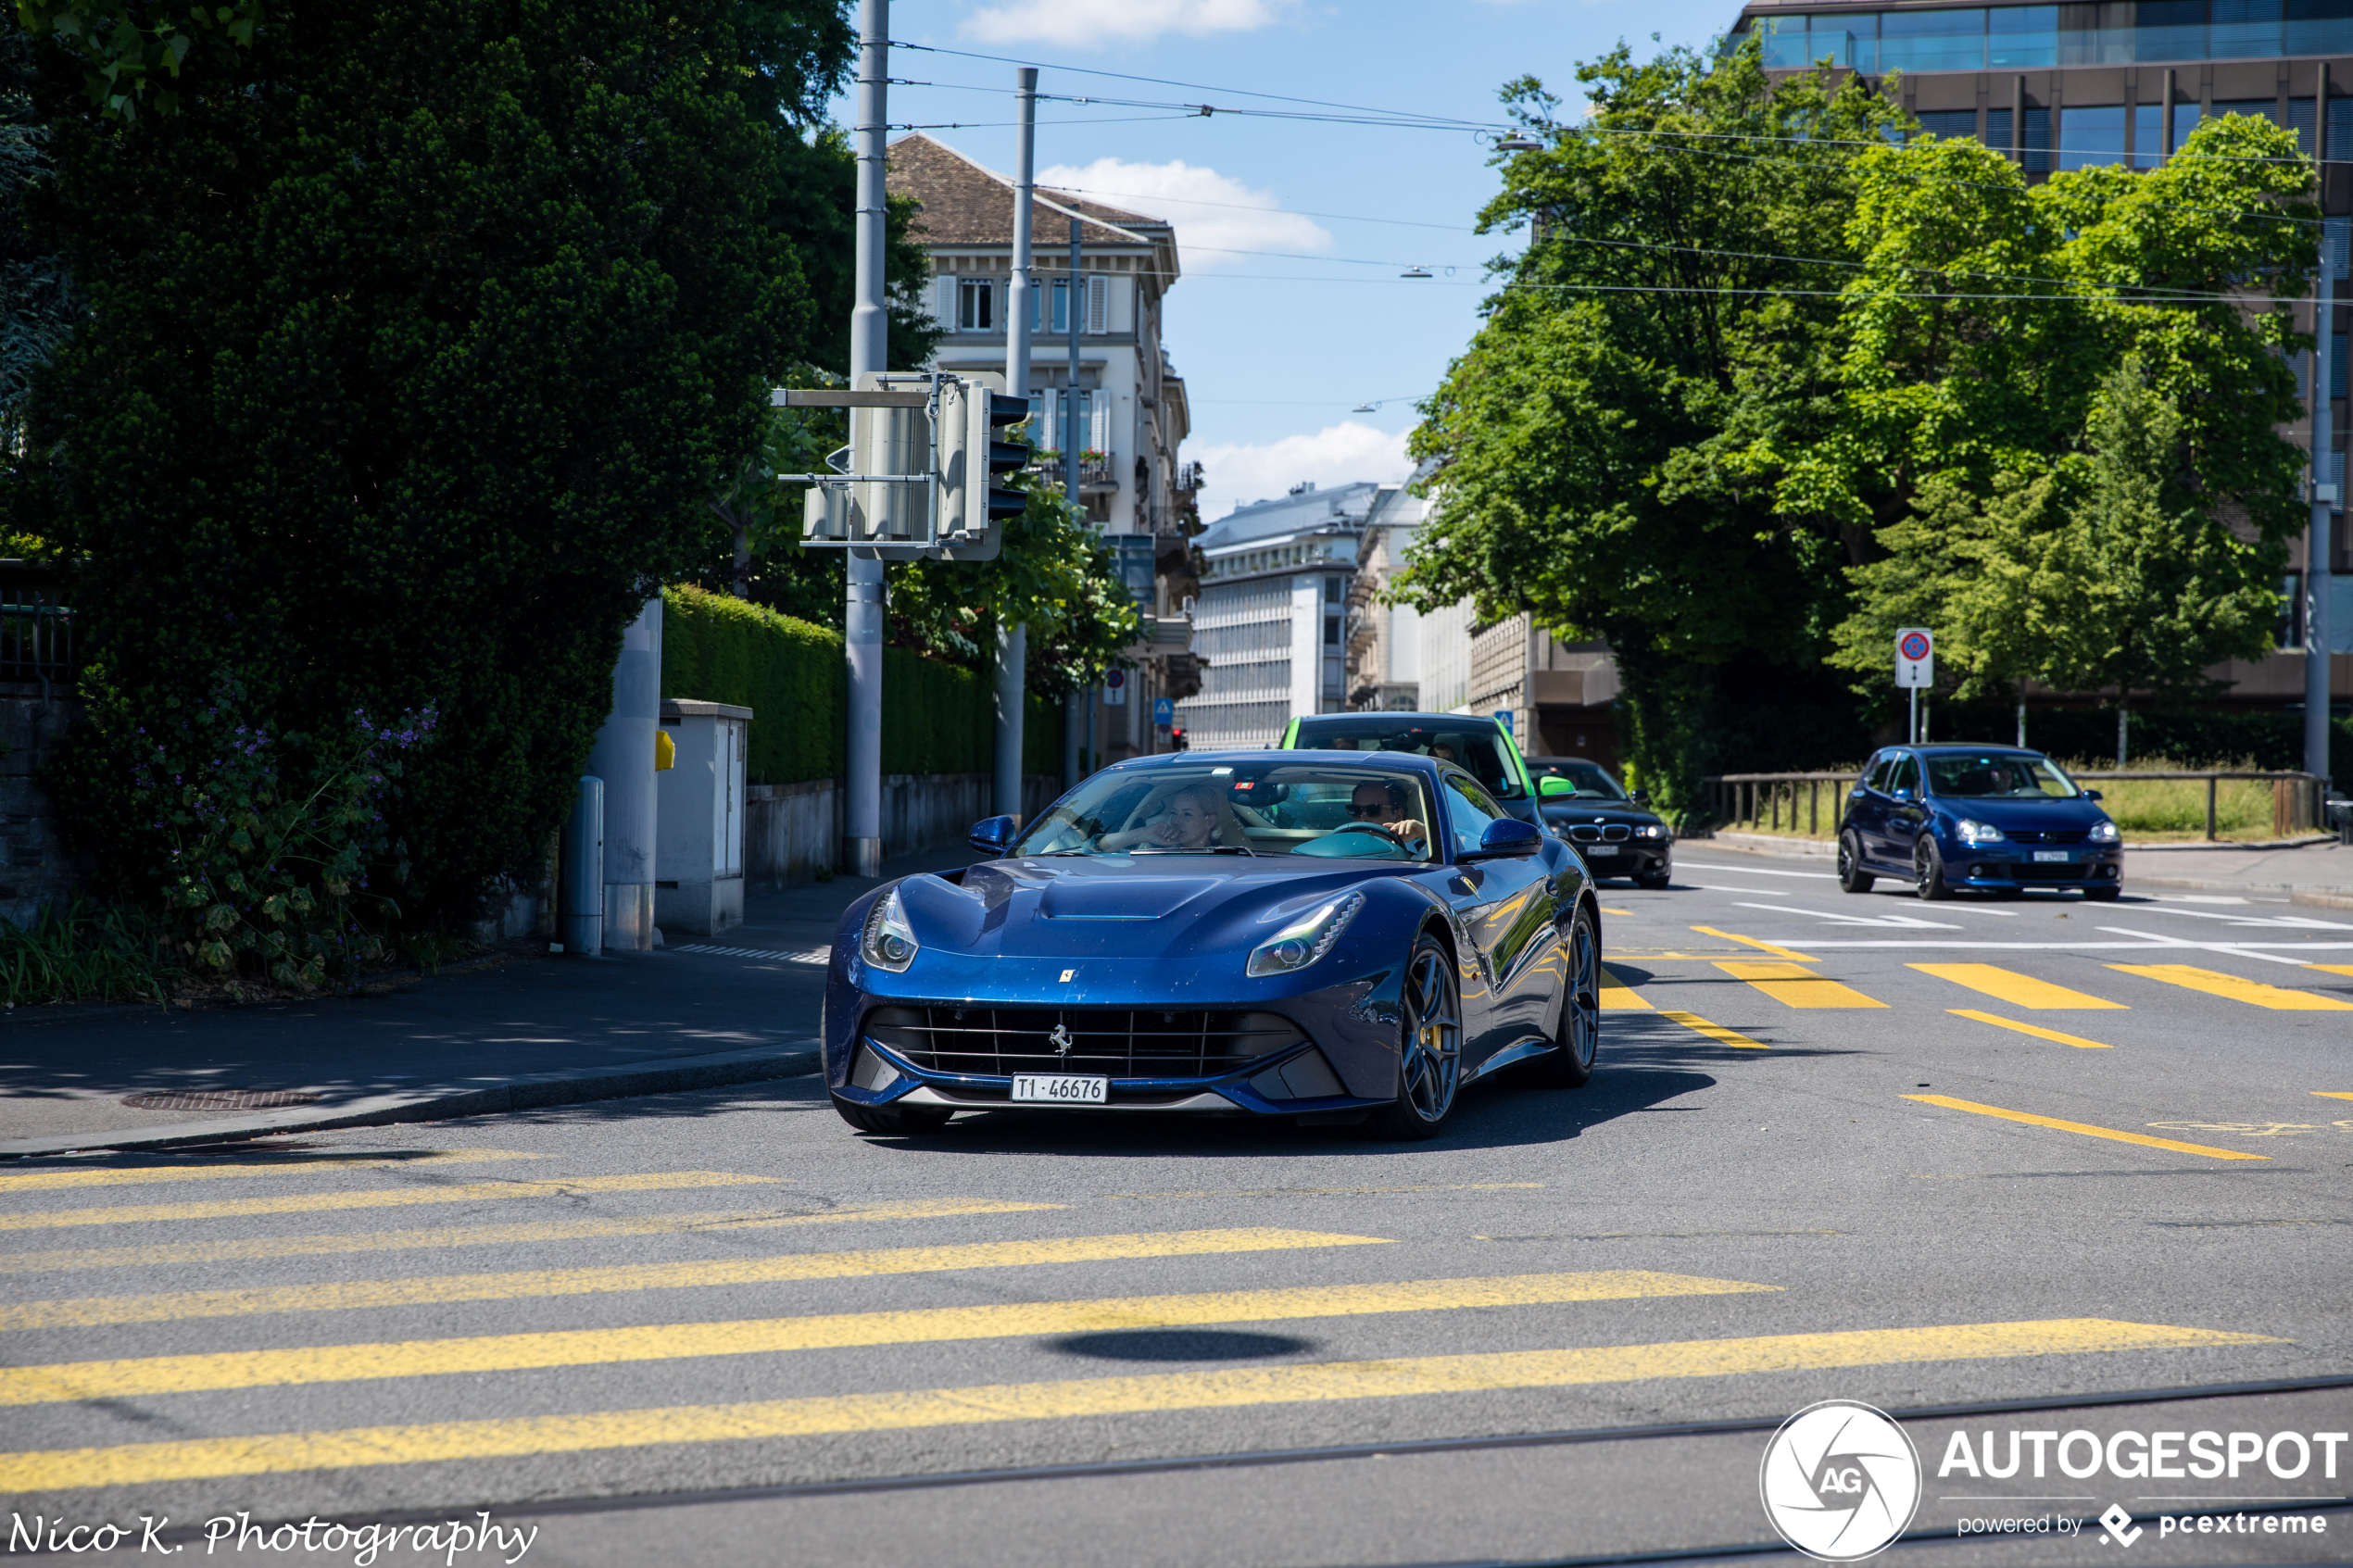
[1374, 811]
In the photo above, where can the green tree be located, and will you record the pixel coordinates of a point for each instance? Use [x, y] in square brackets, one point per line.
[420, 337]
[1676, 304]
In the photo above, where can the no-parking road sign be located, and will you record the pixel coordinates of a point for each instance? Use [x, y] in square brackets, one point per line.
[1915, 657]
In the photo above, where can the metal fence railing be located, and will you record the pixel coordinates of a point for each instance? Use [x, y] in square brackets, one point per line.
[36, 626]
[1764, 801]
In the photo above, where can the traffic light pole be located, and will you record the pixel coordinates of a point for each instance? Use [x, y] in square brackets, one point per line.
[1013, 641]
[869, 336]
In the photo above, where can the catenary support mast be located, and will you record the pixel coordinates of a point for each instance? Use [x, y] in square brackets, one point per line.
[1013, 641]
[869, 338]
[2324, 500]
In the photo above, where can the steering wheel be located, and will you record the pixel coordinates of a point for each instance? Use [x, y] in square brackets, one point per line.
[1374, 827]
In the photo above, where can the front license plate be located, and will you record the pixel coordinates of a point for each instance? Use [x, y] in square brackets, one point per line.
[1591, 849]
[2050, 855]
[1059, 1088]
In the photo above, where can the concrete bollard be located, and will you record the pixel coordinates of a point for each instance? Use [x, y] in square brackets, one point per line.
[580, 923]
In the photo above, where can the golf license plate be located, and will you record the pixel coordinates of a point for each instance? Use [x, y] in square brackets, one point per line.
[1061, 1088]
[2050, 855]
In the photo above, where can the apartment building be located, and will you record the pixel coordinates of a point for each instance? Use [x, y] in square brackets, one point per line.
[1132, 417]
[2123, 81]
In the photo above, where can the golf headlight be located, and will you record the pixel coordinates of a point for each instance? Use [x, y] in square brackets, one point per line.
[1303, 942]
[889, 942]
[2105, 833]
[1969, 830]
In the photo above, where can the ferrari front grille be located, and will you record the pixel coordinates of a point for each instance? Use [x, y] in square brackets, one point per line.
[1115, 1042]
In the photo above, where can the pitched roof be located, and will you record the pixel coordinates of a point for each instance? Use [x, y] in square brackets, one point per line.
[967, 204]
[1341, 506]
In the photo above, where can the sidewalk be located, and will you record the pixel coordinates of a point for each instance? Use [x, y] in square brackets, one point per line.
[2317, 873]
[525, 1031]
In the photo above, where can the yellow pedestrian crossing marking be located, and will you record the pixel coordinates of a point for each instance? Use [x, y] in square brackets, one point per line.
[2334, 1093]
[1794, 986]
[1618, 994]
[375, 1198]
[2333, 968]
[2214, 982]
[2008, 985]
[1231, 1388]
[1778, 952]
[434, 1289]
[2086, 1128]
[1716, 1032]
[217, 1170]
[142, 1377]
[2034, 1029]
[331, 1243]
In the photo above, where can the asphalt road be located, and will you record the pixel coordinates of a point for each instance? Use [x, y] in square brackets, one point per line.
[1921, 1156]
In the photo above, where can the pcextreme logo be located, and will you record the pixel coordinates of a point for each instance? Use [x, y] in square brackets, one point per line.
[1840, 1481]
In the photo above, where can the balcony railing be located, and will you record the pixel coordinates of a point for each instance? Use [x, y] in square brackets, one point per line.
[36, 626]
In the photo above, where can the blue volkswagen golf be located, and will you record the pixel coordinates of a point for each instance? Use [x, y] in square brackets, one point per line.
[1992, 817]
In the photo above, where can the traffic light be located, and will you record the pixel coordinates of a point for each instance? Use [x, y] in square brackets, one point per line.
[1176, 740]
[972, 506]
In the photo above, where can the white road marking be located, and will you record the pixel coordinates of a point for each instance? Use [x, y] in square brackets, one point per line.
[2245, 949]
[2148, 943]
[815, 955]
[1899, 921]
[2249, 918]
[1760, 892]
[1758, 870]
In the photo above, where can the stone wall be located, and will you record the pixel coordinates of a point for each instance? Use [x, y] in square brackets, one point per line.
[34, 869]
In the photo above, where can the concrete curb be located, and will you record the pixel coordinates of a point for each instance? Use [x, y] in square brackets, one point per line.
[532, 1092]
[1824, 848]
[2318, 898]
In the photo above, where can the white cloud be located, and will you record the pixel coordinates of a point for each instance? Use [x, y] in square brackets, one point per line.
[1090, 24]
[1214, 214]
[1240, 473]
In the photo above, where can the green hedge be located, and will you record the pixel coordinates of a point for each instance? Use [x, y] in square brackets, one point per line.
[719, 648]
[936, 716]
[2188, 736]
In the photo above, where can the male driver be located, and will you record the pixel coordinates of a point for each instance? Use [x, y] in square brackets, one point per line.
[1385, 801]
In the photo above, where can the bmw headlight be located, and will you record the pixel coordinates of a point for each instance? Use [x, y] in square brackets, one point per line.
[1304, 941]
[889, 942]
[1969, 830]
[2105, 833]
[1650, 830]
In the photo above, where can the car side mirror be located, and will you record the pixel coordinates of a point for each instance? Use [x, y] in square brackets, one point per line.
[1902, 795]
[1548, 788]
[1640, 798]
[994, 836]
[1505, 835]
[2091, 794]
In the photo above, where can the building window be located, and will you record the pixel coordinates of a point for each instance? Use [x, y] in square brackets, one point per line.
[1060, 293]
[976, 305]
[2090, 136]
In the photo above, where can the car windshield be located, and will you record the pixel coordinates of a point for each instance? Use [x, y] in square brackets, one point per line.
[2006, 776]
[1244, 808]
[1592, 780]
[1470, 742]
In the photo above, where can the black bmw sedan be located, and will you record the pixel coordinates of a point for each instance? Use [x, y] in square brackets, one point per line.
[1614, 830]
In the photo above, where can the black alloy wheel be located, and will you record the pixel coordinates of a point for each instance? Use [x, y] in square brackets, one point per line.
[1430, 1047]
[893, 1121]
[1851, 874]
[1579, 1038]
[1927, 872]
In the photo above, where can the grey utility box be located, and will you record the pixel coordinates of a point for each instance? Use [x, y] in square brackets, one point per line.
[698, 840]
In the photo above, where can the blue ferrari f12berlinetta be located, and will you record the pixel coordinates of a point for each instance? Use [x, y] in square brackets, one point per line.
[1301, 934]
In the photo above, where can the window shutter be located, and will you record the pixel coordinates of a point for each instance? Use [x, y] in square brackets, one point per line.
[944, 300]
[1049, 433]
[1099, 305]
[1099, 425]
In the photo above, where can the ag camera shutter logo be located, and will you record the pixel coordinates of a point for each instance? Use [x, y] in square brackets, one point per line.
[1840, 1481]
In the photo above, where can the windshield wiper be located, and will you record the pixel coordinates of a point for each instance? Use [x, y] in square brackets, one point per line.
[1203, 850]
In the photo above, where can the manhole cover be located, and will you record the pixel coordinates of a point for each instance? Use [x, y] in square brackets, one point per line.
[219, 1099]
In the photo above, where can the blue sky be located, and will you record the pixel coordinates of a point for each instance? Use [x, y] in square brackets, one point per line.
[1278, 351]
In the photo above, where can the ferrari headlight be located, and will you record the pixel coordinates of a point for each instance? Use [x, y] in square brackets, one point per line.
[889, 942]
[2105, 833]
[1303, 942]
[1969, 830]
